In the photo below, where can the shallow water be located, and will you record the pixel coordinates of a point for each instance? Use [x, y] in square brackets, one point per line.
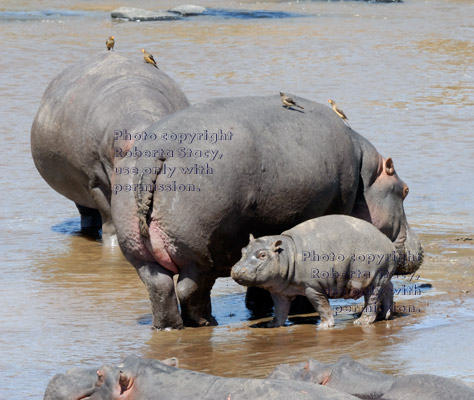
[404, 75]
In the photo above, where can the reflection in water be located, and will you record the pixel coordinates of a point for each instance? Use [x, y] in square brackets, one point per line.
[404, 74]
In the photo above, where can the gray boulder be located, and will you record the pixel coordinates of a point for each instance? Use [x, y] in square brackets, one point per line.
[137, 14]
[188, 10]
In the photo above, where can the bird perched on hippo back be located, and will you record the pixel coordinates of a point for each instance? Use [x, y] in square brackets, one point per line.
[338, 111]
[149, 58]
[289, 102]
[87, 110]
[110, 43]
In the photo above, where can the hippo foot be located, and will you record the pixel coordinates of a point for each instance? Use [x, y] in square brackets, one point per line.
[168, 328]
[267, 324]
[323, 325]
[207, 322]
[365, 319]
[167, 325]
[385, 315]
[109, 240]
[93, 233]
[198, 322]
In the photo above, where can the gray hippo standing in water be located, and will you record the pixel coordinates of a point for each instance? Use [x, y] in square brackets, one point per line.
[86, 110]
[335, 257]
[227, 167]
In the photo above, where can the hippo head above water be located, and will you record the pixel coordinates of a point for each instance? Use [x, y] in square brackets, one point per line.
[380, 201]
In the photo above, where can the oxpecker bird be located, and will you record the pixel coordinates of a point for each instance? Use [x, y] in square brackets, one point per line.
[338, 111]
[288, 101]
[110, 43]
[149, 58]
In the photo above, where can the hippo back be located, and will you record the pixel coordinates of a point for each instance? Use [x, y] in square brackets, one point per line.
[73, 131]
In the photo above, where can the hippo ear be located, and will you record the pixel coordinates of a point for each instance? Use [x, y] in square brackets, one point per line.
[251, 238]
[276, 246]
[389, 168]
[307, 366]
[100, 377]
[126, 382]
[172, 362]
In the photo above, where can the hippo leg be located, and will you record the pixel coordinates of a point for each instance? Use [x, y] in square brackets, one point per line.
[321, 304]
[387, 302]
[109, 236]
[194, 294]
[374, 297]
[91, 221]
[258, 301]
[160, 285]
[282, 308]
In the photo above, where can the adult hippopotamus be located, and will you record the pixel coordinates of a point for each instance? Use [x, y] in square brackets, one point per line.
[145, 379]
[336, 256]
[85, 110]
[227, 167]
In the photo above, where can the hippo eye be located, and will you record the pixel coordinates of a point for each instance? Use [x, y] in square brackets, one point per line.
[261, 255]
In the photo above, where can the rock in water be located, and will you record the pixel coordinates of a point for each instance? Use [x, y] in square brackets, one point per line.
[137, 14]
[188, 10]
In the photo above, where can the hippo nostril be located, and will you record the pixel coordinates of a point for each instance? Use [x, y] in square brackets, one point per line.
[238, 273]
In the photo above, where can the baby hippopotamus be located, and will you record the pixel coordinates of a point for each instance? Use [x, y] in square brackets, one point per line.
[334, 256]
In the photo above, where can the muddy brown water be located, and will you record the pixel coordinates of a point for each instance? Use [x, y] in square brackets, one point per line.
[404, 75]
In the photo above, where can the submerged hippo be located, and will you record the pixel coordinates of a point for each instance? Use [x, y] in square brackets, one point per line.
[80, 383]
[226, 167]
[86, 110]
[349, 376]
[144, 379]
[345, 375]
[335, 256]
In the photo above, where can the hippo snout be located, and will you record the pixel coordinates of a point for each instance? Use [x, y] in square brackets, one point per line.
[241, 274]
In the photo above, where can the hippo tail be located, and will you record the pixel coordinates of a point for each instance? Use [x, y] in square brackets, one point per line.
[144, 196]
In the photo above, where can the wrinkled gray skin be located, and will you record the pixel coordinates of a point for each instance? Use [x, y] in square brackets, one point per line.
[80, 383]
[282, 264]
[72, 136]
[427, 387]
[144, 379]
[281, 167]
[349, 376]
[75, 384]
[345, 375]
